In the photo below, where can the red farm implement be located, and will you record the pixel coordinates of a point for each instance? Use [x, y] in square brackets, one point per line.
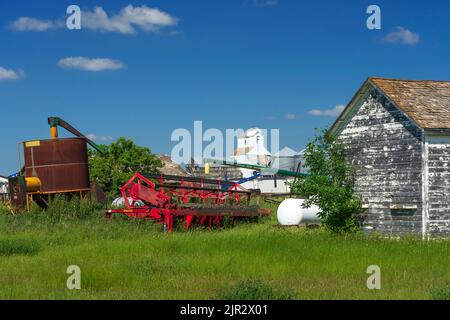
[172, 200]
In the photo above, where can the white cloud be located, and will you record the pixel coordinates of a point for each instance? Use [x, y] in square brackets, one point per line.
[94, 137]
[126, 21]
[334, 112]
[265, 3]
[145, 18]
[286, 116]
[86, 64]
[402, 36]
[33, 24]
[9, 74]
[290, 116]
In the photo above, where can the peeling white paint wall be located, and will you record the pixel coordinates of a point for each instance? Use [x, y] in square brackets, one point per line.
[385, 148]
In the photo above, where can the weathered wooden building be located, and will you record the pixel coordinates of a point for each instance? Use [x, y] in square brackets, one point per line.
[396, 134]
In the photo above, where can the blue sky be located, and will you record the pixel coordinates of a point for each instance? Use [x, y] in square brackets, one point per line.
[229, 63]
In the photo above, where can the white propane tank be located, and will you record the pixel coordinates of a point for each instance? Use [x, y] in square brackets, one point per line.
[291, 213]
[120, 202]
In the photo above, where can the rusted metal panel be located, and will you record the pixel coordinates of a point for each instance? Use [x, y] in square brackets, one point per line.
[60, 164]
[18, 191]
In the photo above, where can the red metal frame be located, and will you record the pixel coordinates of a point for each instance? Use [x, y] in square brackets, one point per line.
[165, 202]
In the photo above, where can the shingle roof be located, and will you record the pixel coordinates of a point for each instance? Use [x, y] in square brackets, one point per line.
[425, 102]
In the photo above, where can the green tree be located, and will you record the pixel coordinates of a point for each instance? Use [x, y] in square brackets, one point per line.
[330, 184]
[120, 161]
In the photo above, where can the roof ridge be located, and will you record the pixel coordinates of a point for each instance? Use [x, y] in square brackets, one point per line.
[407, 80]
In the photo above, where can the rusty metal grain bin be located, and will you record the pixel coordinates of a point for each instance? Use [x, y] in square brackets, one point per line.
[60, 164]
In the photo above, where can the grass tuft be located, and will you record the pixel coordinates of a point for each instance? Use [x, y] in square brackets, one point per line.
[255, 289]
[9, 247]
[442, 294]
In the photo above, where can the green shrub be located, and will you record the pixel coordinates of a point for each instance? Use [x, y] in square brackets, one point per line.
[9, 247]
[330, 184]
[121, 159]
[442, 294]
[255, 290]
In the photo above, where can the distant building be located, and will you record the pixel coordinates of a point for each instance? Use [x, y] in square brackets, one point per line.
[219, 172]
[251, 149]
[270, 184]
[285, 159]
[4, 189]
[302, 162]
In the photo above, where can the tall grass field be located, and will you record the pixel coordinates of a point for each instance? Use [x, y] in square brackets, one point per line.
[122, 259]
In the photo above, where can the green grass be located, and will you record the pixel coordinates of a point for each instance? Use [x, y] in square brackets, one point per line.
[255, 289]
[136, 260]
[442, 294]
[12, 246]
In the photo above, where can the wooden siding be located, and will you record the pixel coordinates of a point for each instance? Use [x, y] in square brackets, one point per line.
[385, 149]
[438, 200]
